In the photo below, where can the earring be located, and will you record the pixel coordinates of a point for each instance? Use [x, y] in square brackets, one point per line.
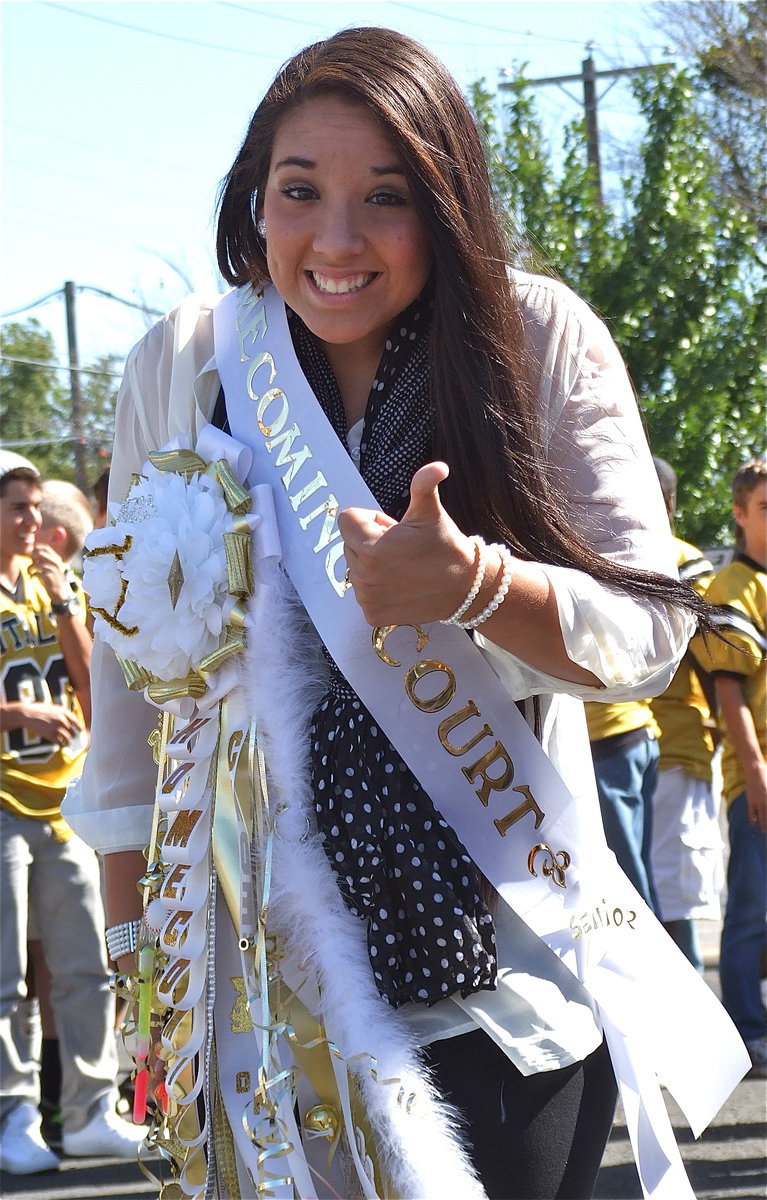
[261, 228]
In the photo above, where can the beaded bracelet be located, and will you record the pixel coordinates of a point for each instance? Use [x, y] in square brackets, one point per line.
[480, 559]
[122, 939]
[500, 594]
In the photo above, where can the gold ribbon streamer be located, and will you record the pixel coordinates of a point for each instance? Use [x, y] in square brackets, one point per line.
[238, 500]
[136, 676]
[239, 568]
[234, 644]
[183, 462]
[177, 689]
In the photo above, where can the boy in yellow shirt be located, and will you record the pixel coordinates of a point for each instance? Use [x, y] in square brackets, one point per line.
[739, 668]
[686, 853]
[44, 713]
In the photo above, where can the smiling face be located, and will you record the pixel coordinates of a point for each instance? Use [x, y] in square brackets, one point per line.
[345, 246]
[19, 519]
[751, 517]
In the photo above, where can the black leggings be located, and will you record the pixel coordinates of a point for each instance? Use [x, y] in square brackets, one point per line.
[532, 1137]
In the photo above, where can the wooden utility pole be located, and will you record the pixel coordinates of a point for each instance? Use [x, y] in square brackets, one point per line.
[78, 425]
[587, 78]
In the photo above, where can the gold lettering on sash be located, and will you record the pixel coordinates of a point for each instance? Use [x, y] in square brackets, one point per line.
[259, 361]
[419, 671]
[251, 324]
[183, 827]
[175, 882]
[240, 1020]
[554, 866]
[329, 532]
[274, 394]
[380, 634]
[530, 805]
[298, 498]
[242, 1082]
[450, 723]
[171, 1025]
[233, 750]
[176, 777]
[155, 741]
[176, 930]
[176, 975]
[491, 783]
[334, 554]
[185, 735]
[285, 456]
[589, 922]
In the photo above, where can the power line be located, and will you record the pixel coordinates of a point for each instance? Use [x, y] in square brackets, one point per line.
[431, 12]
[523, 33]
[588, 77]
[84, 287]
[259, 12]
[54, 366]
[173, 37]
[36, 304]
[272, 16]
[152, 312]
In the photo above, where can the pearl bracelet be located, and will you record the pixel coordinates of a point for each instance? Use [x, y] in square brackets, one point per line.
[122, 939]
[481, 559]
[500, 595]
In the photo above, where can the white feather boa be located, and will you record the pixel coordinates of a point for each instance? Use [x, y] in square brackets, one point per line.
[284, 676]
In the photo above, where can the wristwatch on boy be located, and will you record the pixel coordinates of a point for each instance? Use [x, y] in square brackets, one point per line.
[65, 608]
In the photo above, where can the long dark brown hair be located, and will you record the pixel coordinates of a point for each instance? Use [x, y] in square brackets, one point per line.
[485, 412]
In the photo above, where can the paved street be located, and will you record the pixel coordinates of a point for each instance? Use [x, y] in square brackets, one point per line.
[727, 1163]
[729, 1160]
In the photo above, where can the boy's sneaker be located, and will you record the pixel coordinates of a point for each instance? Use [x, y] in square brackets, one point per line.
[22, 1149]
[758, 1053]
[105, 1136]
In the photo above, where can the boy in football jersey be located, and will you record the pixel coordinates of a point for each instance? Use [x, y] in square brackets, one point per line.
[44, 711]
[686, 851]
[738, 663]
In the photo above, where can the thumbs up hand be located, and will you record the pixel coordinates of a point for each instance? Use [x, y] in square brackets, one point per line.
[412, 571]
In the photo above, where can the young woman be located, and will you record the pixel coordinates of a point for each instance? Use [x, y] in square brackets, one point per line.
[385, 984]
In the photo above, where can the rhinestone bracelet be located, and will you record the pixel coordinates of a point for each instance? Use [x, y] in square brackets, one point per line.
[122, 939]
[500, 595]
[481, 559]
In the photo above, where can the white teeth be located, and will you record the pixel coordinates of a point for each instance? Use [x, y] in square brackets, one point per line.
[340, 287]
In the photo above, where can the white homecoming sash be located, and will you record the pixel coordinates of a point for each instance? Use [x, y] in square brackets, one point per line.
[455, 726]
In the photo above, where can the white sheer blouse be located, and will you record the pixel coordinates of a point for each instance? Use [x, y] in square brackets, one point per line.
[593, 433]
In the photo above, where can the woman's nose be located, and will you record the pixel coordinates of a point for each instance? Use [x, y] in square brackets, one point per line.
[339, 230]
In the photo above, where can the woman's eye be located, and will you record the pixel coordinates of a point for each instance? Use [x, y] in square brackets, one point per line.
[387, 198]
[299, 191]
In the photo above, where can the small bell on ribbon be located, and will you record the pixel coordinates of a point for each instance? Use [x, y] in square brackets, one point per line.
[322, 1120]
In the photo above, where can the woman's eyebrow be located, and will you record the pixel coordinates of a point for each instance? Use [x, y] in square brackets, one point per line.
[295, 160]
[308, 164]
[390, 169]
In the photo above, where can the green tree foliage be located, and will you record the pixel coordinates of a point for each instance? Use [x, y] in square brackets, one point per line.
[728, 42]
[35, 407]
[673, 267]
[32, 400]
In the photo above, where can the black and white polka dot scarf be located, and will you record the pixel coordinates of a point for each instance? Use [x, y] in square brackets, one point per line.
[399, 865]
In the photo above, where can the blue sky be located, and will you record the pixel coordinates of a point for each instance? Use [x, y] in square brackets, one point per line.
[119, 120]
